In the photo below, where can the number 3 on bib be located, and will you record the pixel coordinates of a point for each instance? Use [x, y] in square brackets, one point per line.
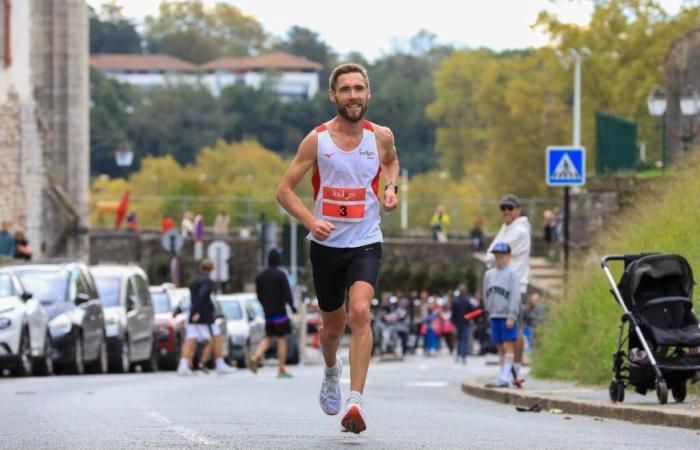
[343, 204]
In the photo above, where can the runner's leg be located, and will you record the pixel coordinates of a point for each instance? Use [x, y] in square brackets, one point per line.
[361, 294]
[281, 354]
[331, 331]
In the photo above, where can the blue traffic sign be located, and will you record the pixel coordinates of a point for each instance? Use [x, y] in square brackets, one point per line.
[566, 166]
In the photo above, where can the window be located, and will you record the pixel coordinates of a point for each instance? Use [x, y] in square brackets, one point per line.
[142, 289]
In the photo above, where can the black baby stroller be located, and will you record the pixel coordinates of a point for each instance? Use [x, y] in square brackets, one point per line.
[655, 293]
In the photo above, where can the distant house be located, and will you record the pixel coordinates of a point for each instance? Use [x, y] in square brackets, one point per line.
[145, 71]
[288, 75]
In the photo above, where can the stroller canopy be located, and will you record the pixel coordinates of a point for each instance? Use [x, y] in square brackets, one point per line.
[655, 276]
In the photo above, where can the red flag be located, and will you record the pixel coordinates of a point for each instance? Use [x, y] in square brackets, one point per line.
[121, 210]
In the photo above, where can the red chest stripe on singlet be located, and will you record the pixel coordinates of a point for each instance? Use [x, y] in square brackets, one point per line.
[316, 181]
[321, 128]
[344, 194]
[375, 182]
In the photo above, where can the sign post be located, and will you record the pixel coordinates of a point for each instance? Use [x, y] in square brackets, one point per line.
[566, 166]
[172, 243]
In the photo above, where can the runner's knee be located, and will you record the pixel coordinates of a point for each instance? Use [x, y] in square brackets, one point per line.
[358, 318]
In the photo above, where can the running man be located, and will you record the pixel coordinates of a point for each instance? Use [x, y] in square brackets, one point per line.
[347, 154]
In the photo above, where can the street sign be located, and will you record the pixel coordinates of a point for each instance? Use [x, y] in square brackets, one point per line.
[565, 166]
[219, 252]
[172, 242]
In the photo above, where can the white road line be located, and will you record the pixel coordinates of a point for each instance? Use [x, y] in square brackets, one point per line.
[184, 432]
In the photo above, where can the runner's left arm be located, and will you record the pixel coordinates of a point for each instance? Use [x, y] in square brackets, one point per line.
[390, 166]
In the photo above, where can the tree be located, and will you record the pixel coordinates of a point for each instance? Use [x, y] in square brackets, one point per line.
[189, 30]
[175, 120]
[111, 32]
[110, 103]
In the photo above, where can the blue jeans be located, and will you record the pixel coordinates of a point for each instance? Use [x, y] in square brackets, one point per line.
[463, 341]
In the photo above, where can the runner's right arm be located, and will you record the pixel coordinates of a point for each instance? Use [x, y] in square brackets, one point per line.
[302, 162]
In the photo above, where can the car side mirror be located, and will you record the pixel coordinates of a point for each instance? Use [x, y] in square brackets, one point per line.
[82, 298]
[130, 303]
[26, 296]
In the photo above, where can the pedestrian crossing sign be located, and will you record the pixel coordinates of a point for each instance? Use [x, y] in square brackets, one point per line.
[566, 166]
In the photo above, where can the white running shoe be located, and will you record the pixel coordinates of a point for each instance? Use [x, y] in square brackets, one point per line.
[330, 390]
[354, 420]
[224, 370]
[184, 371]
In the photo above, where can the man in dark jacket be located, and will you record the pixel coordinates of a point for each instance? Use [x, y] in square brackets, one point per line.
[201, 324]
[274, 293]
[461, 306]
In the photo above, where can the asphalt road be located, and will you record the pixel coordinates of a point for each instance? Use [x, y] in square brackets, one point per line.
[412, 404]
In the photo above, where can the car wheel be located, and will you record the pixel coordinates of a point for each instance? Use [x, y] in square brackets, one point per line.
[292, 350]
[100, 364]
[24, 362]
[151, 364]
[44, 364]
[77, 366]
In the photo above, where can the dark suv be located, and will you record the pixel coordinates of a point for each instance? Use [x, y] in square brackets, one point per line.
[68, 293]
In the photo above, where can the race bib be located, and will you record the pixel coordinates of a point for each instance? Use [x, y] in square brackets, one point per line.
[343, 204]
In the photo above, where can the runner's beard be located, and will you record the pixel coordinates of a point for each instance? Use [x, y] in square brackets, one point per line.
[342, 110]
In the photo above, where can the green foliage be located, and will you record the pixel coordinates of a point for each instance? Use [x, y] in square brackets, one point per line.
[414, 278]
[191, 31]
[578, 338]
[111, 32]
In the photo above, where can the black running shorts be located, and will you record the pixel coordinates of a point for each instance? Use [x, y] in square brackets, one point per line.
[277, 329]
[336, 269]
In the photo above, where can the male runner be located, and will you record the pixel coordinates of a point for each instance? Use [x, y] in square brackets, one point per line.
[347, 155]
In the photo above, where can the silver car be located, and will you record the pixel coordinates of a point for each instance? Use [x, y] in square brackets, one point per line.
[129, 317]
[245, 327]
[25, 342]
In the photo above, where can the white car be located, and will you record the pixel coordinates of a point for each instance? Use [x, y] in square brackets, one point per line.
[245, 329]
[25, 342]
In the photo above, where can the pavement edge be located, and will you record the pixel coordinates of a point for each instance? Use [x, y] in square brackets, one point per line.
[618, 411]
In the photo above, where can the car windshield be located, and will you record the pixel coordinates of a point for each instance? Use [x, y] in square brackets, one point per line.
[46, 285]
[109, 289]
[232, 310]
[6, 286]
[161, 302]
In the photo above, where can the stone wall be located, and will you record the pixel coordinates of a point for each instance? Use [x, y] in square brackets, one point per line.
[13, 199]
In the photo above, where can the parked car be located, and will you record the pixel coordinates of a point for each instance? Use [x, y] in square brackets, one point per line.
[244, 329]
[170, 329]
[129, 317]
[68, 293]
[25, 342]
[184, 301]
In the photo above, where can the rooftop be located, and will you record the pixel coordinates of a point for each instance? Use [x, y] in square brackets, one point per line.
[138, 62]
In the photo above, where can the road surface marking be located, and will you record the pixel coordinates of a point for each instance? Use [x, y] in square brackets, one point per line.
[426, 384]
[187, 433]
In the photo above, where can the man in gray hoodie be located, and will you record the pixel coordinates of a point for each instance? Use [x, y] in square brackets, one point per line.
[502, 301]
[516, 232]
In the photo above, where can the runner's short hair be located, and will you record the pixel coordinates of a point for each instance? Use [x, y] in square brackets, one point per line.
[206, 265]
[347, 68]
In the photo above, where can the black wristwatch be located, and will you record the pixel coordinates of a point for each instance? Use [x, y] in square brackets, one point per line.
[391, 183]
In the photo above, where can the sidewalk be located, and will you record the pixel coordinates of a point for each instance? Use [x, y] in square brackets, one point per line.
[569, 398]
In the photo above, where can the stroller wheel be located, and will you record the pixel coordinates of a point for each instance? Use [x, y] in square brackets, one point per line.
[662, 392]
[617, 391]
[679, 392]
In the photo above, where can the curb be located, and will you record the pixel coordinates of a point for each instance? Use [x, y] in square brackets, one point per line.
[618, 411]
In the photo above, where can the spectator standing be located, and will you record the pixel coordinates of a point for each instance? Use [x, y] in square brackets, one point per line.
[187, 225]
[461, 306]
[502, 299]
[131, 222]
[448, 329]
[221, 224]
[166, 223]
[516, 232]
[7, 241]
[22, 248]
[431, 328]
[418, 312]
[440, 223]
[272, 287]
[476, 234]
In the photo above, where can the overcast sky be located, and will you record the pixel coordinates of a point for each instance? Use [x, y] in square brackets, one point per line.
[373, 27]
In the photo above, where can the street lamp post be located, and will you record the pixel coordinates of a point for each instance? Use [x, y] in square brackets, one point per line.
[124, 156]
[656, 103]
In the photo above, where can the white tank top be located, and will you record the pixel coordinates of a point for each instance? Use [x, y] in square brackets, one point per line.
[346, 190]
